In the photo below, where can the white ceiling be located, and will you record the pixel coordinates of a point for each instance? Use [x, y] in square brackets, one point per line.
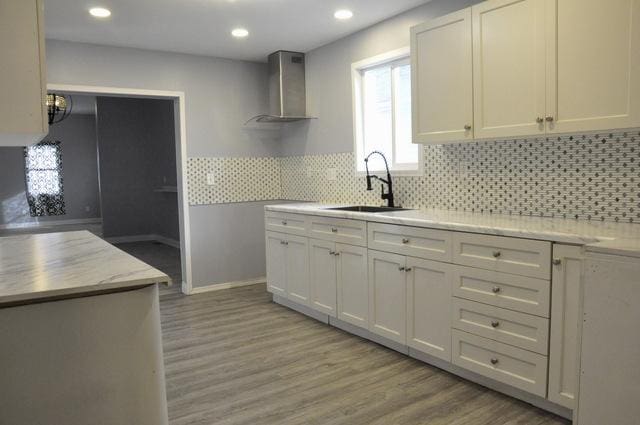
[203, 26]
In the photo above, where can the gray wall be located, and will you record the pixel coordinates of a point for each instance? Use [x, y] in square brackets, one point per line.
[79, 171]
[220, 96]
[329, 79]
[136, 141]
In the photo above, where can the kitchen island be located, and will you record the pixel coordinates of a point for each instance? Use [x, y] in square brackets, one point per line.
[80, 332]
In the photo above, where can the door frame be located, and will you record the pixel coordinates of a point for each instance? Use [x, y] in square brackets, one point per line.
[178, 98]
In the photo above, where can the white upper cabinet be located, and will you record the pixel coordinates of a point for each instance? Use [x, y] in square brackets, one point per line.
[23, 118]
[593, 65]
[441, 67]
[509, 68]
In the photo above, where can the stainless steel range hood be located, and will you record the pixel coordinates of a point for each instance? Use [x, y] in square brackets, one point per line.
[287, 99]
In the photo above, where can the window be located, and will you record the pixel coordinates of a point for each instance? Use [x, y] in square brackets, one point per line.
[43, 168]
[382, 113]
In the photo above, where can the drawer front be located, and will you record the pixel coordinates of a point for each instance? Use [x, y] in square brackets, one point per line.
[524, 257]
[412, 241]
[518, 293]
[294, 224]
[519, 329]
[353, 232]
[510, 365]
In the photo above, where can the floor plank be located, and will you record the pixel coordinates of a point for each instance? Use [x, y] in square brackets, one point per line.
[234, 357]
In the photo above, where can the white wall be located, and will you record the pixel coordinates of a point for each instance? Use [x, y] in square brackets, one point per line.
[329, 79]
[220, 96]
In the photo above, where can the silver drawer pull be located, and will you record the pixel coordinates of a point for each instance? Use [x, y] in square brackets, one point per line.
[332, 253]
[408, 269]
[405, 240]
[496, 254]
[337, 254]
[495, 323]
[334, 230]
[496, 289]
[284, 223]
[494, 361]
[467, 127]
[556, 261]
[401, 268]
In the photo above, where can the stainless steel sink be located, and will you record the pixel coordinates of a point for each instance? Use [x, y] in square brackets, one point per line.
[368, 209]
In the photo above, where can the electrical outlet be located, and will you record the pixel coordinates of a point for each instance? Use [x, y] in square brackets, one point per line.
[332, 174]
[211, 179]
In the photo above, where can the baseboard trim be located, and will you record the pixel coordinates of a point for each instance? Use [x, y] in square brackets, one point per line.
[144, 238]
[49, 223]
[303, 309]
[221, 286]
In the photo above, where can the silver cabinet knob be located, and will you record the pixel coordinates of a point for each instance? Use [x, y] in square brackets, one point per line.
[549, 118]
[401, 268]
[332, 253]
[405, 240]
[334, 230]
[495, 323]
[556, 261]
[467, 127]
[284, 223]
[408, 269]
[496, 254]
[496, 289]
[337, 254]
[539, 120]
[494, 361]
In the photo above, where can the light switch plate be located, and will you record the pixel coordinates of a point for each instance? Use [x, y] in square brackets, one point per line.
[211, 179]
[332, 174]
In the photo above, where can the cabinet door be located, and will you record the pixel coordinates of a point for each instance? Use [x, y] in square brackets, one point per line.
[509, 68]
[387, 295]
[442, 81]
[322, 276]
[276, 260]
[23, 119]
[297, 269]
[429, 307]
[353, 286]
[593, 64]
[565, 303]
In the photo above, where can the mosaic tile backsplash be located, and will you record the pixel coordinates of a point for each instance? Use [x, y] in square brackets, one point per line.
[589, 177]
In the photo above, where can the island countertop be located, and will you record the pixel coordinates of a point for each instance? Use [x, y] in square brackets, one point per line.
[596, 236]
[57, 265]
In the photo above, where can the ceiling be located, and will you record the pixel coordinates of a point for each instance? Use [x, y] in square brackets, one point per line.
[203, 26]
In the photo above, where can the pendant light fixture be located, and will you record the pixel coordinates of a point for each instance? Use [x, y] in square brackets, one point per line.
[59, 107]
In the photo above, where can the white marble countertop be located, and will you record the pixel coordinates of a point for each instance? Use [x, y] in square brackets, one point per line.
[64, 264]
[602, 237]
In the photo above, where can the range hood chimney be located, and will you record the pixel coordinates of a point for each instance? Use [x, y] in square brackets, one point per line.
[287, 99]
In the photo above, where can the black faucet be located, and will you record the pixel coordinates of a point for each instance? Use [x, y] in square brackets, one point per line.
[389, 195]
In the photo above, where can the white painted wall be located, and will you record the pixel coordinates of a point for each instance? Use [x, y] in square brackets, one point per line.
[329, 79]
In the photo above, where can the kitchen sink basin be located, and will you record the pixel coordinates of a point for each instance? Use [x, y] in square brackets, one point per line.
[367, 209]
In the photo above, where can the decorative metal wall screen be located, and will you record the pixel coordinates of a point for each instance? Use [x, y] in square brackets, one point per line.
[43, 172]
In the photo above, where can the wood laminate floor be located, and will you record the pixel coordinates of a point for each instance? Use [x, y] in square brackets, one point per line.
[233, 357]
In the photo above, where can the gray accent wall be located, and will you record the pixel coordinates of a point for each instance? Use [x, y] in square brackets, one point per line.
[136, 143]
[79, 171]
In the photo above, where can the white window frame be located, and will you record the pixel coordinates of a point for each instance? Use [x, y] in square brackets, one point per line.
[394, 57]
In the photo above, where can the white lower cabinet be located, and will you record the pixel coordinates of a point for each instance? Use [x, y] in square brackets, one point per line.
[352, 285]
[565, 305]
[288, 266]
[428, 307]
[323, 276]
[388, 295]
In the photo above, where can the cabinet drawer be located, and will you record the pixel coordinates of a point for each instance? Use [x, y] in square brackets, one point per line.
[294, 224]
[413, 241]
[353, 232]
[519, 293]
[510, 365]
[525, 257]
[519, 329]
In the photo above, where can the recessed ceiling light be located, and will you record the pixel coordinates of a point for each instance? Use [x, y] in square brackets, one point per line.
[239, 32]
[100, 12]
[343, 14]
